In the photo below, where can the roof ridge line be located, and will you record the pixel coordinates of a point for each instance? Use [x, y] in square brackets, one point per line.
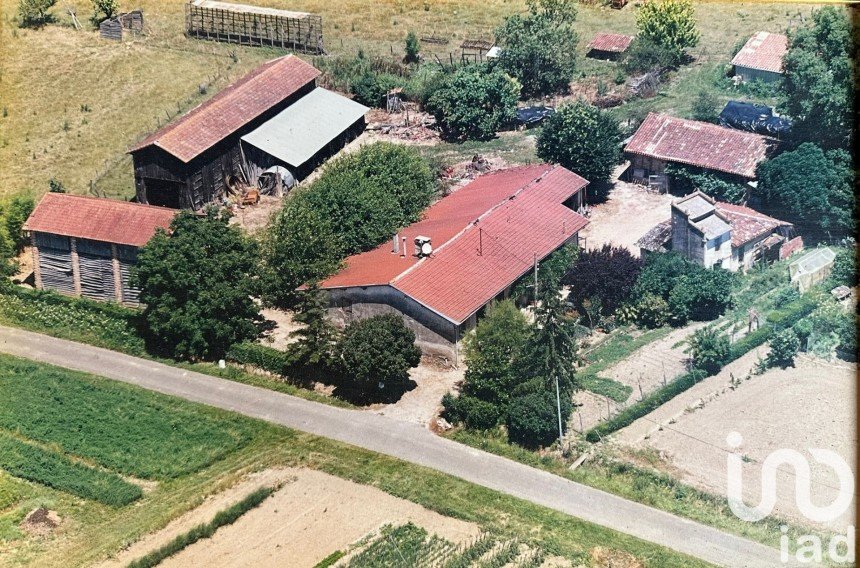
[461, 232]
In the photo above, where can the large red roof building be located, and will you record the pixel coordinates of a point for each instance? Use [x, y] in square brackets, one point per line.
[468, 249]
[86, 246]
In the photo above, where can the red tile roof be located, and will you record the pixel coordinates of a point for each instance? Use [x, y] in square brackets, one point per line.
[232, 108]
[484, 237]
[763, 51]
[700, 144]
[98, 219]
[747, 224]
[615, 43]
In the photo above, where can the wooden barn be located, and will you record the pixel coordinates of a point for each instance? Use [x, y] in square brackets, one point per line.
[200, 157]
[86, 246]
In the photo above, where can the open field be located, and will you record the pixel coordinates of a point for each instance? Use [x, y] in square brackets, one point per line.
[91, 532]
[73, 104]
[807, 406]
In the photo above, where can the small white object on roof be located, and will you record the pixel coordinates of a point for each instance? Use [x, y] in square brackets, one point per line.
[305, 127]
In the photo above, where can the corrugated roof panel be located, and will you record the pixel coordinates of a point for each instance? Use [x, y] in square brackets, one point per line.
[305, 127]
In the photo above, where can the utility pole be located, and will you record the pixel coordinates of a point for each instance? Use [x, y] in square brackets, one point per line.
[558, 406]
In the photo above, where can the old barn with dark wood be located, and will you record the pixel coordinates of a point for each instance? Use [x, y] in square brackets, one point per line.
[86, 246]
[289, 122]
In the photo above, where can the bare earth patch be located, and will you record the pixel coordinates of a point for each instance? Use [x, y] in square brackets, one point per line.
[423, 403]
[807, 406]
[311, 516]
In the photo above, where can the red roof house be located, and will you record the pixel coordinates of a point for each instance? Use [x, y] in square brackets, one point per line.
[85, 246]
[662, 138]
[761, 57]
[481, 239]
[607, 44]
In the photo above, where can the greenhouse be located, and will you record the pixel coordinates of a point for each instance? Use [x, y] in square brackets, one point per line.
[811, 268]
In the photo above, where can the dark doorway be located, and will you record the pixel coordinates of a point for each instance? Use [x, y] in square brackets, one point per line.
[163, 193]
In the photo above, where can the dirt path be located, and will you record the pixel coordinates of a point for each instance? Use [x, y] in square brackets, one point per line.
[628, 213]
[423, 403]
[310, 517]
[807, 406]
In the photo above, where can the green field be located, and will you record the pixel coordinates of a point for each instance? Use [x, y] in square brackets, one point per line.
[92, 531]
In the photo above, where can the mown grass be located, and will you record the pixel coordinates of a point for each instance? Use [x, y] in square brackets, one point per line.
[94, 531]
[122, 429]
[33, 463]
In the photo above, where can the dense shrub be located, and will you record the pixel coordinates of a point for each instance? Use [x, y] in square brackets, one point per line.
[700, 295]
[470, 411]
[710, 350]
[412, 47]
[651, 311]
[532, 420]
[539, 48]
[668, 23]
[377, 352]
[57, 471]
[196, 283]
[260, 356]
[687, 179]
[607, 274]
[551, 274]
[844, 271]
[644, 56]
[474, 103]
[371, 88]
[583, 139]
[783, 348]
[705, 107]
[34, 13]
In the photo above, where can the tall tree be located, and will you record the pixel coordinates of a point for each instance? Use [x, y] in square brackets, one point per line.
[312, 355]
[539, 49]
[815, 188]
[668, 23]
[550, 352]
[605, 275]
[818, 79]
[474, 103]
[196, 283]
[582, 138]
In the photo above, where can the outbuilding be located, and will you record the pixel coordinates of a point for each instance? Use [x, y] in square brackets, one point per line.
[664, 139]
[468, 249]
[608, 46]
[86, 246]
[760, 59]
[200, 157]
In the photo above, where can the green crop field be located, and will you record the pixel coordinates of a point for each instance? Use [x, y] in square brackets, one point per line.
[68, 415]
[71, 104]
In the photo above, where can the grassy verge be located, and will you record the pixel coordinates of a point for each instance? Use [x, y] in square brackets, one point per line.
[36, 464]
[95, 531]
[619, 392]
[114, 327]
[222, 518]
[643, 484]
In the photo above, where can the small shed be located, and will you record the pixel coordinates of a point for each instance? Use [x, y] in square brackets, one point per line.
[474, 50]
[86, 246]
[608, 46]
[760, 59]
[115, 28]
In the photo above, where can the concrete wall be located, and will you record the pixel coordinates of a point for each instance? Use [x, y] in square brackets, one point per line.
[747, 74]
[433, 334]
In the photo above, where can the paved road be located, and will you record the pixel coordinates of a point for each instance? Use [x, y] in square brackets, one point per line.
[409, 442]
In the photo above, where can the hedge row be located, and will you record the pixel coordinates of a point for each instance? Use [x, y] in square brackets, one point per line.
[57, 471]
[260, 356]
[226, 517]
[777, 320]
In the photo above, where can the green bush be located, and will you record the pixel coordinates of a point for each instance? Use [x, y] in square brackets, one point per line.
[260, 356]
[652, 311]
[749, 342]
[222, 518]
[532, 420]
[57, 471]
[34, 13]
[412, 47]
[710, 350]
[473, 412]
[371, 88]
[645, 56]
[783, 348]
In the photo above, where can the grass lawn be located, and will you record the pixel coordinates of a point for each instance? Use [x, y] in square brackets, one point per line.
[72, 104]
[92, 531]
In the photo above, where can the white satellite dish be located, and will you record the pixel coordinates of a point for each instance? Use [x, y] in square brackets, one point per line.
[426, 249]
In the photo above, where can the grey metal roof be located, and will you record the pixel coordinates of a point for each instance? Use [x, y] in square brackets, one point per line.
[712, 226]
[305, 127]
[695, 206]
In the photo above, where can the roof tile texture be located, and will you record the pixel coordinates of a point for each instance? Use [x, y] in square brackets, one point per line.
[614, 43]
[232, 108]
[699, 144]
[764, 51]
[485, 236]
[98, 219]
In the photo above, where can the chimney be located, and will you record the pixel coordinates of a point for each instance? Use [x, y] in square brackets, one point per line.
[395, 244]
[403, 250]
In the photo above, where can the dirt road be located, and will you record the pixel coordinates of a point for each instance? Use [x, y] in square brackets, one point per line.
[403, 440]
